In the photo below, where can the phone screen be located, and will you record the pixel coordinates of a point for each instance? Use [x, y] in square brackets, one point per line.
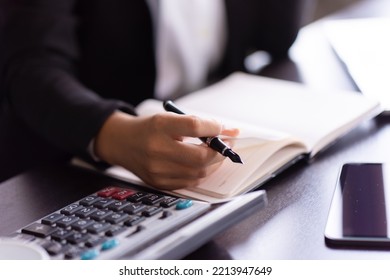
[359, 213]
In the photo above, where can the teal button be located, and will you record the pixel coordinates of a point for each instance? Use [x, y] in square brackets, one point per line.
[184, 204]
[89, 255]
[109, 244]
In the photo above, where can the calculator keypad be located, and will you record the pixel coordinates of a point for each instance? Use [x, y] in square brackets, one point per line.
[97, 226]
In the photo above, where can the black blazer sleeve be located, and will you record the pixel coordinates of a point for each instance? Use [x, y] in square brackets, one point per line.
[40, 79]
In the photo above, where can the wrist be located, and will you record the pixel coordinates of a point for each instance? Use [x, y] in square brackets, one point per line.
[107, 141]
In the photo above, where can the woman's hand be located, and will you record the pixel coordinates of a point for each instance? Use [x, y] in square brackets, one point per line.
[153, 148]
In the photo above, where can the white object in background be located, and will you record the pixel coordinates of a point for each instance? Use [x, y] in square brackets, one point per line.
[12, 249]
[363, 45]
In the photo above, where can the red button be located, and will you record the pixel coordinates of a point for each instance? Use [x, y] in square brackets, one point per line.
[123, 194]
[108, 191]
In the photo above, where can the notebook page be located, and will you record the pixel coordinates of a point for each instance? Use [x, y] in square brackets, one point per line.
[307, 114]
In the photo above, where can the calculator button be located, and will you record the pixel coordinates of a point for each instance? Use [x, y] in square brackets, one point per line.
[166, 214]
[89, 255]
[51, 219]
[85, 212]
[61, 234]
[94, 241]
[116, 218]
[108, 191]
[98, 227]
[137, 197]
[134, 220]
[123, 194]
[109, 244]
[67, 221]
[70, 209]
[139, 228]
[82, 224]
[52, 247]
[184, 204]
[134, 208]
[72, 252]
[77, 238]
[152, 199]
[103, 203]
[89, 200]
[118, 205]
[39, 230]
[101, 215]
[168, 202]
[151, 210]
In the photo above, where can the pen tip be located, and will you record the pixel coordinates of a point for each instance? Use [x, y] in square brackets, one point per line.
[234, 157]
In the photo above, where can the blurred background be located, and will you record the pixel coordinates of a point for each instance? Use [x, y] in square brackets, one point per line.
[325, 7]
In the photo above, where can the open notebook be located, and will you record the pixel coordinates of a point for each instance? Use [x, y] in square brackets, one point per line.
[363, 45]
[279, 121]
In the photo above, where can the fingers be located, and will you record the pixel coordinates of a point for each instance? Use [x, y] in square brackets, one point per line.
[153, 148]
[168, 142]
[231, 132]
[170, 163]
[191, 126]
[196, 155]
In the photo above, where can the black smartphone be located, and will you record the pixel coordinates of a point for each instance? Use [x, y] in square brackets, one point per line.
[359, 214]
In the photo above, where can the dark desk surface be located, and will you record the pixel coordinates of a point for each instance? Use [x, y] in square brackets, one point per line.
[292, 225]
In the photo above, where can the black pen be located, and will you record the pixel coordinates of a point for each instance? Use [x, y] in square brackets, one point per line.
[213, 141]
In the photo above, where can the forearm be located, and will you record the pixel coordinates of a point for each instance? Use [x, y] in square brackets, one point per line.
[55, 105]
